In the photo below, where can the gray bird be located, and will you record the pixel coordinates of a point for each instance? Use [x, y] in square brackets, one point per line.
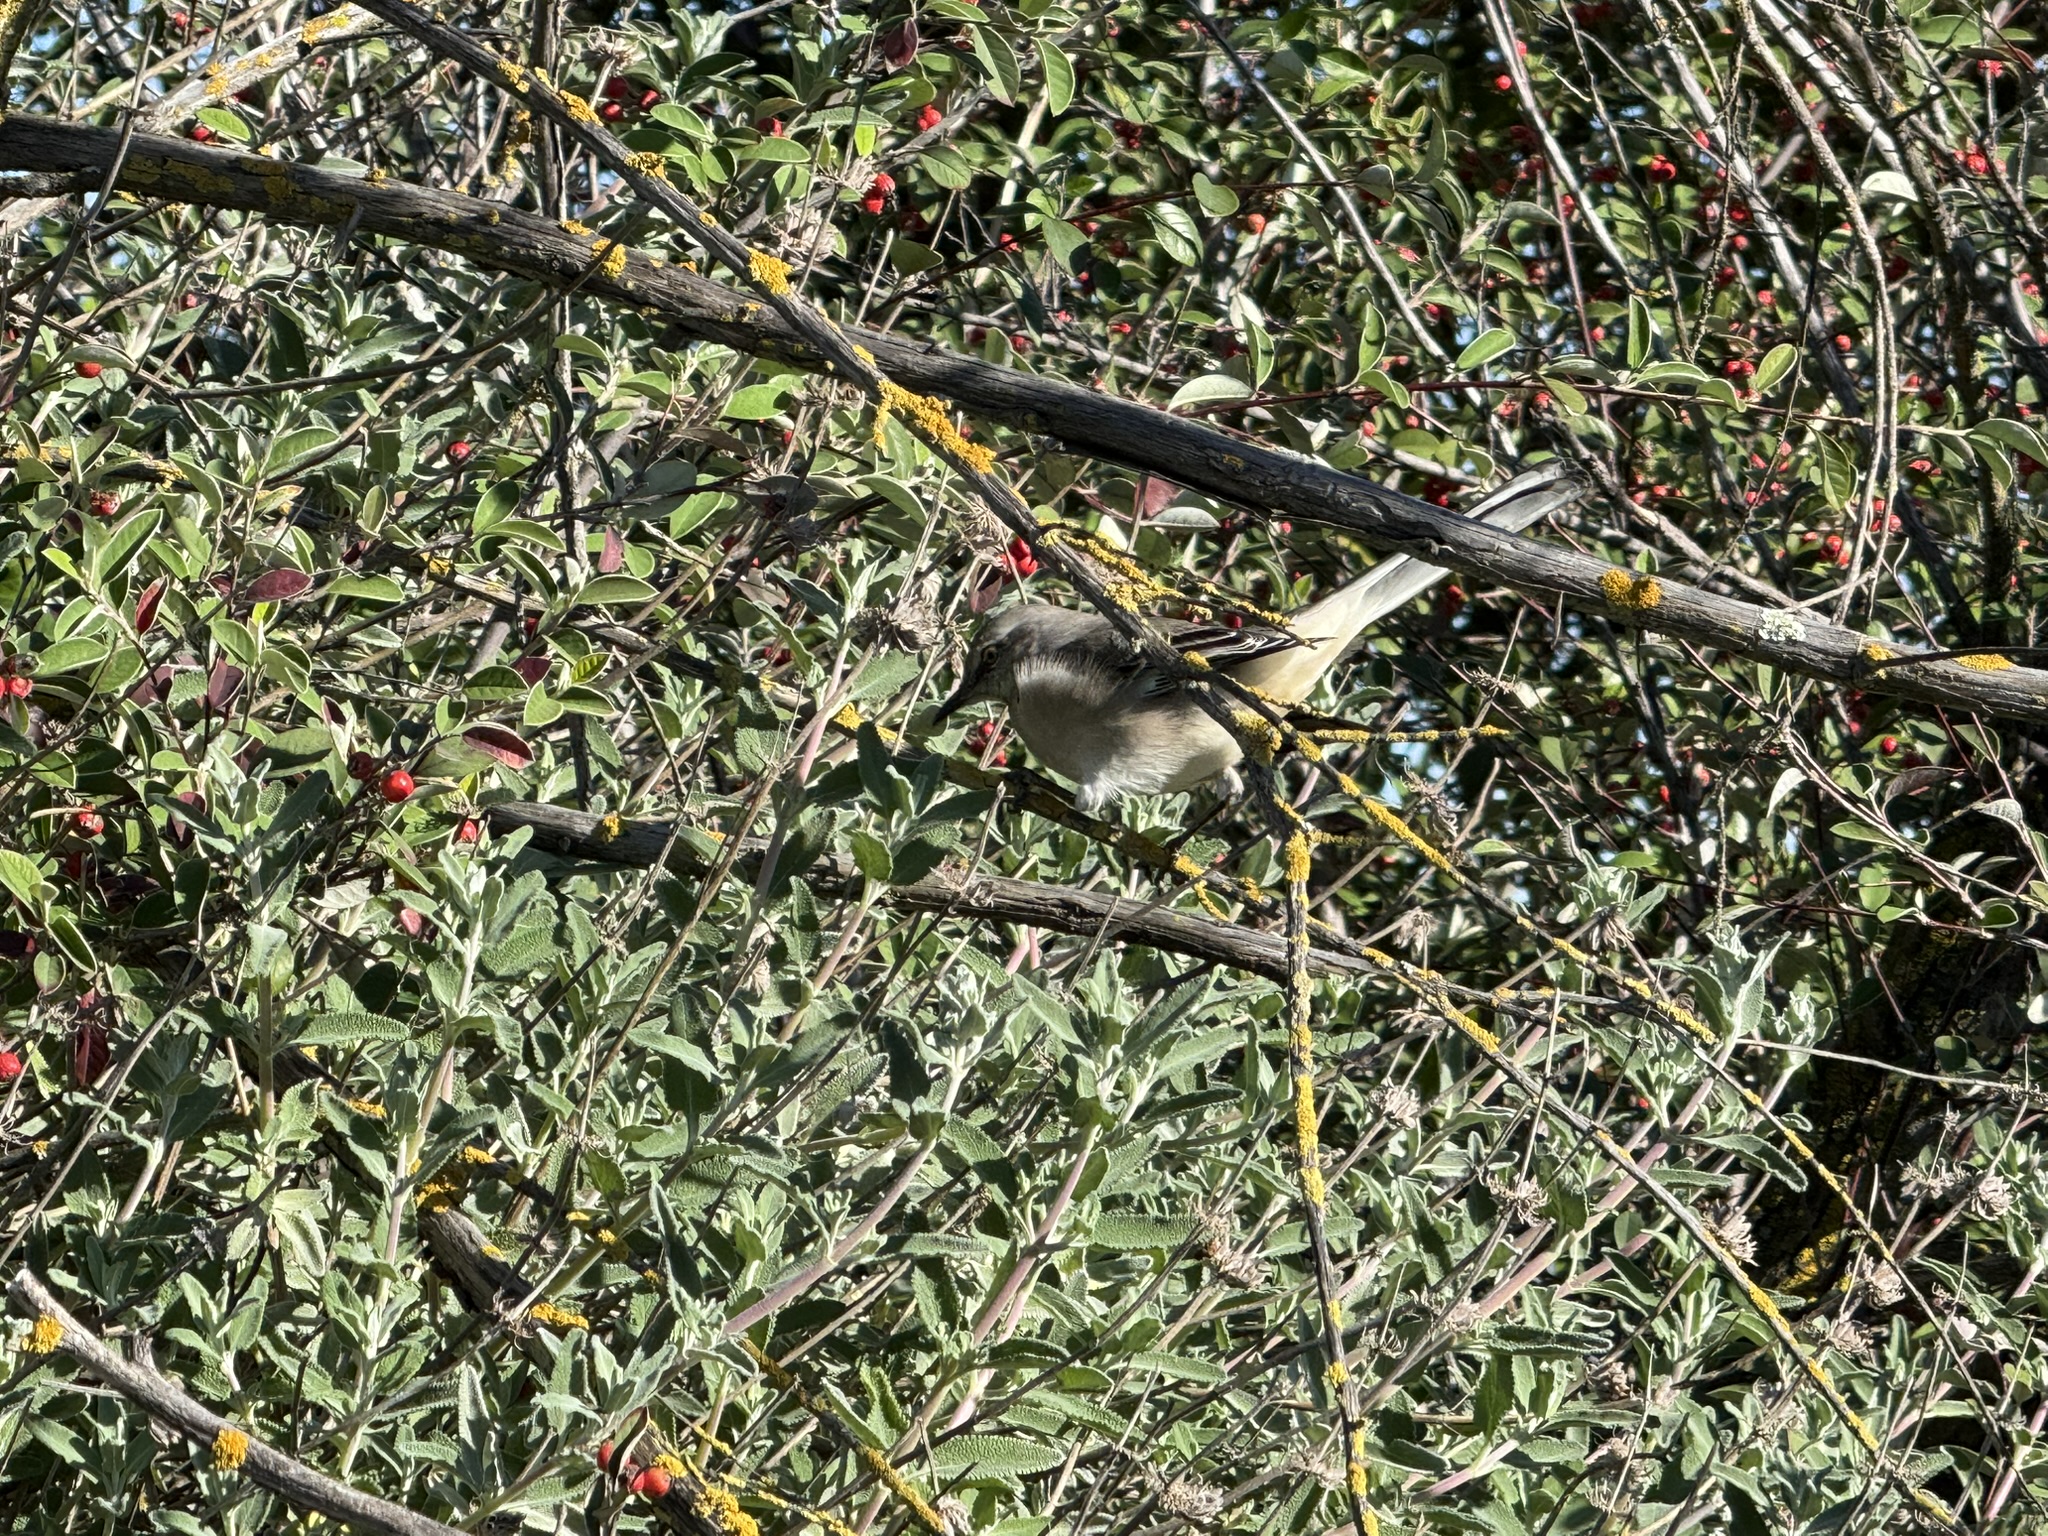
[1096, 712]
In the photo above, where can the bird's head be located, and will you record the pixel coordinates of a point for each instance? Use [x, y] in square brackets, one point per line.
[999, 647]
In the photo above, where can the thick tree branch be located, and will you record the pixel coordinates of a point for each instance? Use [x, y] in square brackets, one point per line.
[170, 1405]
[984, 897]
[1125, 432]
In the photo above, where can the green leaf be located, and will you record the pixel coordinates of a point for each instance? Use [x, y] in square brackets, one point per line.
[757, 402]
[1215, 199]
[350, 1027]
[227, 124]
[2016, 435]
[1059, 76]
[376, 589]
[999, 59]
[911, 258]
[64, 930]
[1133, 1232]
[22, 877]
[995, 1456]
[614, 591]
[773, 151]
[1211, 386]
[1485, 347]
[1180, 1367]
[1776, 363]
[1062, 239]
[871, 856]
[1177, 232]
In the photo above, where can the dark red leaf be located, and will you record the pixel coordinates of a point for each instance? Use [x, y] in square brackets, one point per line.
[614, 553]
[1154, 495]
[500, 743]
[89, 1054]
[152, 685]
[533, 668]
[278, 586]
[899, 45]
[222, 686]
[145, 606]
[984, 598]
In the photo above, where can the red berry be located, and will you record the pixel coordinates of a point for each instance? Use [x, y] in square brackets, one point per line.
[874, 202]
[976, 335]
[771, 126]
[1503, 82]
[611, 112]
[469, 832]
[105, 503]
[1889, 745]
[1007, 242]
[883, 184]
[648, 98]
[1832, 545]
[653, 1482]
[188, 301]
[10, 1066]
[1255, 223]
[1662, 169]
[181, 20]
[460, 451]
[19, 687]
[361, 766]
[929, 117]
[87, 822]
[88, 370]
[618, 88]
[1020, 343]
[397, 786]
[1120, 327]
[604, 1456]
[201, 133]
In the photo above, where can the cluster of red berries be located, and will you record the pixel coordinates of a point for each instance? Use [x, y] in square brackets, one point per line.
[1020, 559]
[622, 95]
[929, 117]
[981, 738]
[649, 1482]
[1129, 134]
[395, 785]
[13, 683]
[879, 191]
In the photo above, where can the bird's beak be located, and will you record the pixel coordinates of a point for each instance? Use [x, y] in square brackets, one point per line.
[955, 699]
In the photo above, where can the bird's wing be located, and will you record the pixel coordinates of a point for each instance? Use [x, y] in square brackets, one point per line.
[1329, 626]
[1219, 645]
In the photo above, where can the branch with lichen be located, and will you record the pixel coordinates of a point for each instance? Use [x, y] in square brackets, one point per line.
[1081, 421]
[230, 1449]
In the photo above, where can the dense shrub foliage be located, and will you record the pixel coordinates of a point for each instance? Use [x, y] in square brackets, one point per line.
[438, 1154]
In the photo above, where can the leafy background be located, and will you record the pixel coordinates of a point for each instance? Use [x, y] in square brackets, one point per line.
[1017, 1210]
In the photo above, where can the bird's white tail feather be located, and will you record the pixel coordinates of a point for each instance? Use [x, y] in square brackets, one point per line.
[1327, 627]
